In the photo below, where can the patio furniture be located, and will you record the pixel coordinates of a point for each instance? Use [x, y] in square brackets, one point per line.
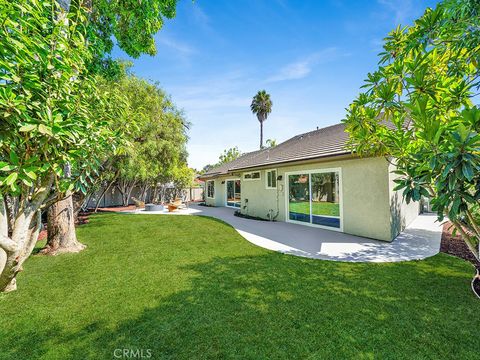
[175, 205]
[154, 207]
[138, 204]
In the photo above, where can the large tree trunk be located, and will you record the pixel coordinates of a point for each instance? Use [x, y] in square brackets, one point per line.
[18, 239]
[61, 225]
[11, 204]
[61, 229]
[11, 261]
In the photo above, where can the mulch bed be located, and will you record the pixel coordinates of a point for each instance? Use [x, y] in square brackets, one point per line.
[117, 208]
[239, 214]
[82, 218]
[43, 234]
[204, 204]
[454, 245]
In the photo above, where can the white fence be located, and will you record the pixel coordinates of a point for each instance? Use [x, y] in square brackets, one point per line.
[113, 197]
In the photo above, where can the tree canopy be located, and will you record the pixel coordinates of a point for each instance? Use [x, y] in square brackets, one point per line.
[131, 25]
[51, 119]
[156, 151]
[418, 108]
[56, 116]
[229, 155]
[48, 100]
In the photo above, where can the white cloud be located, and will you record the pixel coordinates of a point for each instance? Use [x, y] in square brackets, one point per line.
[215, 104]
[293, 71]
[401, 10]
[200, 18]
[301, 68]
[177, 46]
[218, 105]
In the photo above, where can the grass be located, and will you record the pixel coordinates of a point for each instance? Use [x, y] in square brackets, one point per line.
[318, 208]
[190, 287]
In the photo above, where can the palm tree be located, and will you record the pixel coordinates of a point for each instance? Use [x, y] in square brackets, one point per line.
[262, 107]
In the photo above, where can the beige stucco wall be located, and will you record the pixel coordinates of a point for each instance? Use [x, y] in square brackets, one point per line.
[365, 194]
[401, 213]
[370, 207]
[219, 199]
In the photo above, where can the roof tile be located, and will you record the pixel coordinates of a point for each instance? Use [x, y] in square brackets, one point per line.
[323, 142]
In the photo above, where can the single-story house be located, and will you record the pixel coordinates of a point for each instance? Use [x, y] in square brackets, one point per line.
[312, 179]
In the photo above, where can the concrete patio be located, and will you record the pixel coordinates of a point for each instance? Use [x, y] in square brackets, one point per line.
[420, 240]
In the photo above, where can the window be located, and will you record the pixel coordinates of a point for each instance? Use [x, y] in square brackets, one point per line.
[211, 189]
[271, 179]
[254, 175]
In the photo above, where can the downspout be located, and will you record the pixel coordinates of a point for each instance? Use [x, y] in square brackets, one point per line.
[278, 206]
[269, 215]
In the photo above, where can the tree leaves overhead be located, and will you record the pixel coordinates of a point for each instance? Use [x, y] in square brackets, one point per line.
[418, 108]
[133, 23]
[56, 111]
[48, 99]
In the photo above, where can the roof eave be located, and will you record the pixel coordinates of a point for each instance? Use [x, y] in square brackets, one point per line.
[291, 161]
[208, 176]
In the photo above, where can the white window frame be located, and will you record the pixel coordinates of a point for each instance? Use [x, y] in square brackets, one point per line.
[266, 179]
[251, 172]
[309, 172]
[211, 197]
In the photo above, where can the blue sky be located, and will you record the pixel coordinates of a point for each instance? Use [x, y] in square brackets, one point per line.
[311, 56]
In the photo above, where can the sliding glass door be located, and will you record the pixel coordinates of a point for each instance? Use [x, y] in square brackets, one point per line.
[299, 203]
[314, 198]
[325, 199]
[233, 193]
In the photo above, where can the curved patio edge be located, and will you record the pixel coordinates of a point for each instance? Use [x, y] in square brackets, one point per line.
[420, 240]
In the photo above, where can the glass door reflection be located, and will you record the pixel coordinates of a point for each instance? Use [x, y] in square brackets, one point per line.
[299, 197]
[233, 193]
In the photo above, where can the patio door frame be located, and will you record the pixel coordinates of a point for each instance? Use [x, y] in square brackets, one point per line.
[226, 190]
[309, 173]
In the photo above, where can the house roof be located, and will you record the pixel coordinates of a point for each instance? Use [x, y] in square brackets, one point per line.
[328, 141]
[224, 168]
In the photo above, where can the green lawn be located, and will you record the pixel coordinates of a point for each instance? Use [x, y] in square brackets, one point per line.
[318, 208]
[190, 287]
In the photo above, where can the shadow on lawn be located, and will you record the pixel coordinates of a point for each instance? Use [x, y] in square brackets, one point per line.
[242, 307]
